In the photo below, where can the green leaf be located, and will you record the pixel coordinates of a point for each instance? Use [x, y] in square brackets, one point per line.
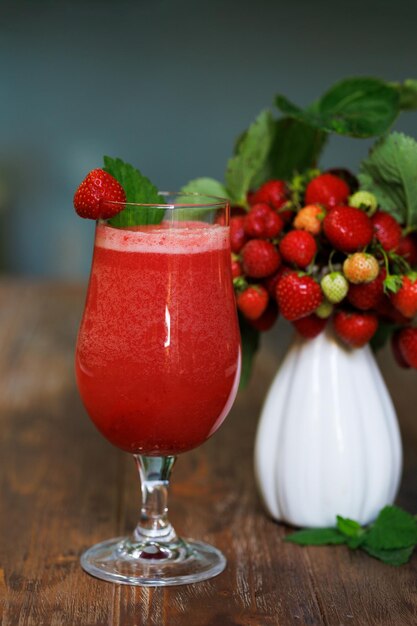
[383, 335]
[393, 529]
[296, 147]
[138, 189]
[390, 173]
[250, 344]
[349, 527]
[250, 158]
[408, 94]
[205, 186]
[397, 557]
[357, 107]
[316, 537]
[392, 283]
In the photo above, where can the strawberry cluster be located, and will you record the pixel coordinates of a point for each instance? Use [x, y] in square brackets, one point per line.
[318, 251]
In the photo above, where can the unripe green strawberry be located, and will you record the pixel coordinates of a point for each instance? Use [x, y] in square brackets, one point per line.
[335, 287]
[364, 200]
[360, 268]
[324, 310]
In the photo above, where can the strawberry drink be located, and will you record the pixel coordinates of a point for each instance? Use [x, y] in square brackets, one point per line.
[158, 354]
[157, 360]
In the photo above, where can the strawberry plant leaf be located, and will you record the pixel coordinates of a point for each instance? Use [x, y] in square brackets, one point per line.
[396, 557]
[317, 537]
[251, 154]
[138, 189]
[357, 107]
[393, 529]
[250, 344]
[296, 147]
[390, 173]
[408, 94]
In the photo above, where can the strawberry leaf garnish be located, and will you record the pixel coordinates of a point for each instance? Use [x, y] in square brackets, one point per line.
[138, 189]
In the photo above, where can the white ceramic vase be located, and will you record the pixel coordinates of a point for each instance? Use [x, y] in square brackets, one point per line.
[328, 441]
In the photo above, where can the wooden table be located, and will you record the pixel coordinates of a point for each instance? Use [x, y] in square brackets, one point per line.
[64, 488]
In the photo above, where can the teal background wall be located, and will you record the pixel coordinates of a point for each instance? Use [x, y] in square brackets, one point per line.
[167, 86]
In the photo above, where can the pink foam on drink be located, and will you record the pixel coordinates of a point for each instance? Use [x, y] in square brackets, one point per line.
[165, 238]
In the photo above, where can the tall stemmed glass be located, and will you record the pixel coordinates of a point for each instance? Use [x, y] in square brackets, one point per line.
[157, 365]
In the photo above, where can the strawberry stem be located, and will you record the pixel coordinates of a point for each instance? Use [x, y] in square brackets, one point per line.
[332, 253]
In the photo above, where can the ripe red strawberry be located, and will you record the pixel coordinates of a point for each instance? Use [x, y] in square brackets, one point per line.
[236, 266]
[407, 344]
[355, 329]
[310, 218]
[273, 192]
[298, 296]
[270, 282]
[238, 236]
[328, 190]
[260, 258]
[408, 248]
[367, 296]
[387, 311]
[267, 319]
[387, 230]
[348, 229]
[405, 300]
[253, 301]
[263, 222]
[298, 247]
[91, 196]
[396, 349]
[310, 326]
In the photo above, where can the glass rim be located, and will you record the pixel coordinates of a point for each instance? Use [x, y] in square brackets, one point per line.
[219, 202]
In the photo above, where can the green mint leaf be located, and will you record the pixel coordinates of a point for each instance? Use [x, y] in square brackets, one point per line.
[408, 94]
[356, 542]
[390, 173]
[296, 147]
[138, 188]
[250, 158]
[205, 186]
[316, 537]
[393, 529]
[349, 527]
[396, 557]
[357, 107]
[250, 344]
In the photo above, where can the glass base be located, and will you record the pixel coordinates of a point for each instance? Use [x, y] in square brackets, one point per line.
[153, 564]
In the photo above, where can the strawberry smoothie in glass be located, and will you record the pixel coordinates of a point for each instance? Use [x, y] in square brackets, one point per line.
[157, 365]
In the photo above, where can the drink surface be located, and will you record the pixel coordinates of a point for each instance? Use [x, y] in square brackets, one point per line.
[158, 352]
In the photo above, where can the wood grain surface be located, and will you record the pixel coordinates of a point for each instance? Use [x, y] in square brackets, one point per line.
[64, 488]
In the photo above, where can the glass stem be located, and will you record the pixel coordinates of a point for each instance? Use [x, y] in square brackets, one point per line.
[153, 526]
